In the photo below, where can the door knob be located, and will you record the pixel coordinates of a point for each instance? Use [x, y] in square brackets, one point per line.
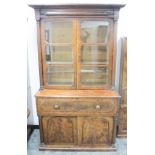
[56, 106]
[98, 107]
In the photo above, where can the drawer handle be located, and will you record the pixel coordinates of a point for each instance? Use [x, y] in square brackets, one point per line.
[98, 107]
[56, 106]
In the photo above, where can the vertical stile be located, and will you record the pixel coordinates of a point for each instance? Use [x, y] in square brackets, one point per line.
[78, 54]
[43, 53]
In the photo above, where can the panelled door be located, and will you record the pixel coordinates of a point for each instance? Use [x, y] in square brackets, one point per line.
[59, 130]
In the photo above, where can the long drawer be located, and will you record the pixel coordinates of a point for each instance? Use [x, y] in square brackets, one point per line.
[50, 105]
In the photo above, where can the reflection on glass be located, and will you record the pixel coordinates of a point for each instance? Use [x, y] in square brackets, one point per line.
[58, 32]
[94, 31]
[59, 54]
[60, 75]
[94, 76]
[94, 54]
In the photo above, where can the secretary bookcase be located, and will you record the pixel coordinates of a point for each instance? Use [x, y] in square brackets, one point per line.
[77, 103]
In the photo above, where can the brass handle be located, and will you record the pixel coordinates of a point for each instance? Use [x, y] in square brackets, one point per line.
[98, 107]
[56, 106]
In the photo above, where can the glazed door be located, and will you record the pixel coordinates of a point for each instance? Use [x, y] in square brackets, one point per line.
[94, 53]
[77, 53]
[59, 53]
[95, 130]
[59, 130]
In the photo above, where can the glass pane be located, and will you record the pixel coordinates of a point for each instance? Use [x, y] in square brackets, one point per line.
[60, 75]
[59, 54]
[94, 31]
[94, 54]
[58, 32]
[94, 76]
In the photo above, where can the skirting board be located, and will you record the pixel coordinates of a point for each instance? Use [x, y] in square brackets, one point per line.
[76, 148]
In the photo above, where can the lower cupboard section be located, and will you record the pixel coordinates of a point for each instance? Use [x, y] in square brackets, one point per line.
[67, 131]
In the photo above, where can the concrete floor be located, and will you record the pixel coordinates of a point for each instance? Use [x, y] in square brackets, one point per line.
[33, 145]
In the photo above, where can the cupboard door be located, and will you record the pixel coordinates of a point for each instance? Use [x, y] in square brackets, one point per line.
[95, 130]
[59, 130]
[95, 53]
[59, 53]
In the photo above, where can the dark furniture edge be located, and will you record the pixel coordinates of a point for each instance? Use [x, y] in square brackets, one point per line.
[30, 129]
[76, 6]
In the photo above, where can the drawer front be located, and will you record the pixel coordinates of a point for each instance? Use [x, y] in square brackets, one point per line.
[52, 105]
[102, 106]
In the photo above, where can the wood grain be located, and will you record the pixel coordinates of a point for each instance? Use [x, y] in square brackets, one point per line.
[122, 128]
[102, 127]
[77, 106]
[59, 130]
[78, 93]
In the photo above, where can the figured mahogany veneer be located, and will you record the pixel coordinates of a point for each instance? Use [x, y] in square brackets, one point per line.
[107, 106]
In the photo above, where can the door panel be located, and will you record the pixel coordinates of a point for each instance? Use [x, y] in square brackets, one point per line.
[59, 31]
[59, 54]
[93, 31]
[60, 75]
[94, 76]
[94, 54]
[95, 130]
[59, 130]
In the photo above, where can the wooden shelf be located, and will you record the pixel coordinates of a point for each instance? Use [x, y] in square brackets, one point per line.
[77, 93]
